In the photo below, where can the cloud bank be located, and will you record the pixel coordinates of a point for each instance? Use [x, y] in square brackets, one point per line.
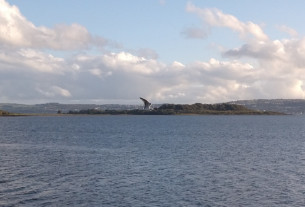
[17, 31]
[259, 68]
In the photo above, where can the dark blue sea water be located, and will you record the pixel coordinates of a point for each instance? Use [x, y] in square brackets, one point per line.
[152, 161]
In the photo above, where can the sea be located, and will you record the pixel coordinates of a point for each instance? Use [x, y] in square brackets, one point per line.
[138, 161]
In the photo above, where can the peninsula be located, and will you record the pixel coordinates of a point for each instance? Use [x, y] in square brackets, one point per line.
[183, 109]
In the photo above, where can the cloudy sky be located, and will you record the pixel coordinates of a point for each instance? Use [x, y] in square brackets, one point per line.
[169, 51]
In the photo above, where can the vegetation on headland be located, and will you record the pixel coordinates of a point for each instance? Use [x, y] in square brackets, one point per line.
[5, 113]
[183, 109]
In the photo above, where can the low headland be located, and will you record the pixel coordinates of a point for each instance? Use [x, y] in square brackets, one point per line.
[5, 113]
[183, 109]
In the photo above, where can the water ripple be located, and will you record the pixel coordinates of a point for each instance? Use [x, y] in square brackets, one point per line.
[152, 161]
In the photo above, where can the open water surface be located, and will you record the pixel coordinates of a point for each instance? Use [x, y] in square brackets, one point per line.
[152, 161]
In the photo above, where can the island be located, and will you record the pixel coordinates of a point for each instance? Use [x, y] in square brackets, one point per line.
[183, 109]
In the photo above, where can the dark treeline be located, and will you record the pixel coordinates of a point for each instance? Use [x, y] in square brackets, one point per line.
[176, 109]
[4, 113]
[204, 107]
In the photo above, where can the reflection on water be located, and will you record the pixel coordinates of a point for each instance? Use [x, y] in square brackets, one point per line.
[152, 161]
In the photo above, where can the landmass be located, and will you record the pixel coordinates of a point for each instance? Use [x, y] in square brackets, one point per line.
[53, 108]
[5, 113]
[284, 106]
[183, 109]
[287, 106]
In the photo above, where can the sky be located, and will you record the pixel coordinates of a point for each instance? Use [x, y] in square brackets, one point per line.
[168, 51]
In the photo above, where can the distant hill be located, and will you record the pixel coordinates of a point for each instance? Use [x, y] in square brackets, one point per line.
[5, 113]
[287, 106]
[53, 108]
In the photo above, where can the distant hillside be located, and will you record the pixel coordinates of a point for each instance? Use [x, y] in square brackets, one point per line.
[5, 113]
[53, 108]
[287, 106]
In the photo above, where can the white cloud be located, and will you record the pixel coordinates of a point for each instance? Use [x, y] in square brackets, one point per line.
[54, 91]
[147, 53]
[17, 31]
[277, 53]
[279, 66]
[99, 73]
[288, 30]
[61, 91]
[30, 60]
[259, 68]
[125, 76]
[177, 65]
[216, 18]
[128, 62]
